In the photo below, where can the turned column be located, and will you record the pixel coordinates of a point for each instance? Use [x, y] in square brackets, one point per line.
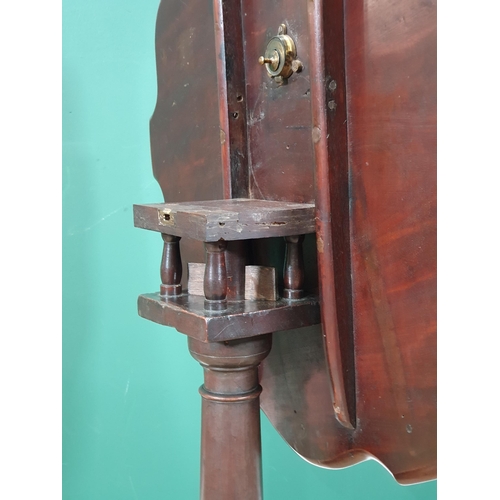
[171, 266]
[293, 273]
[215, 281]
[231, 461]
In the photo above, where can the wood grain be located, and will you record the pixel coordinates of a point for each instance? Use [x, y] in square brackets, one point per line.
[244, 319]
[238, 219]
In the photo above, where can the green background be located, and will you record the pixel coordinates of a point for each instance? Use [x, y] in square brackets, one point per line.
[131, 409]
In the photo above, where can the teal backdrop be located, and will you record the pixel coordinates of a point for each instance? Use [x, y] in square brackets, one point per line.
[131, 409]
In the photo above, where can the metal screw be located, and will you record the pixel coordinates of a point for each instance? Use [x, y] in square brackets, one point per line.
[297, 66]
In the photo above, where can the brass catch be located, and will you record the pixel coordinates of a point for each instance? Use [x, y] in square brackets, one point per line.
[280, 57]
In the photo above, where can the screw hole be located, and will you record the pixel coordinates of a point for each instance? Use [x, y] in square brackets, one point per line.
[221, 224]
[166, 216]
[332, 105]
[236, 114]
[239, 98]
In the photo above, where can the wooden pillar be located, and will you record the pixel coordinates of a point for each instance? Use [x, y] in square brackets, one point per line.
[231, 460]
[215, 281]
[293, 275]
[171, 266]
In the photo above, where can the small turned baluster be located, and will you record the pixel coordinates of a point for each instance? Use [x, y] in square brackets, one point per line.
[293, 275]
[171, 267]
[215, 282]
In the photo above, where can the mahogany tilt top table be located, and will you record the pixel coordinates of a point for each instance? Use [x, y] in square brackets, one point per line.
[295, 145]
